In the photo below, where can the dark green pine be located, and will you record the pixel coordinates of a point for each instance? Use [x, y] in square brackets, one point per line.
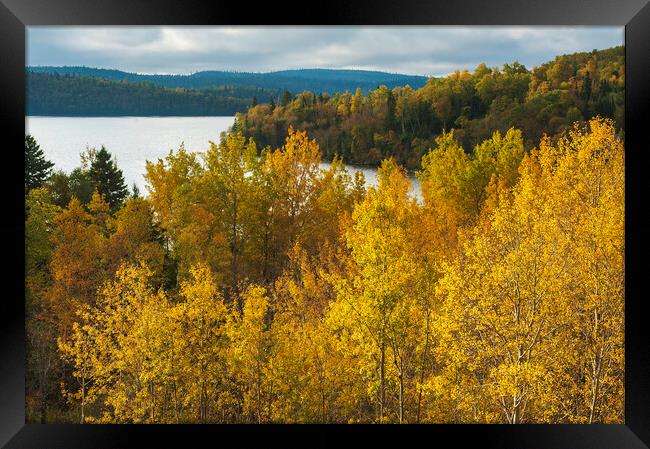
[108, 178]
[37, 168]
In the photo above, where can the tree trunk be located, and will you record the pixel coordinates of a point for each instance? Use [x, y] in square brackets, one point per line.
[516, 415]
[259, 395]
[422, 364]
[401, 393]
[83, 398]
[152, 413]
[595, 386]
[381, 382]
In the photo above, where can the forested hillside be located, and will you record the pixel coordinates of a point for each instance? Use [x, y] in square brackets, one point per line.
[246, 289]
[251, 284]
[85, 96]
[403, 122]
[294, 81]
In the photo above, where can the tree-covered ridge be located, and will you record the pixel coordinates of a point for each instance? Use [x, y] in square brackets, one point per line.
[49, 94]
[316, 80]
[403, 122]
[248, 289]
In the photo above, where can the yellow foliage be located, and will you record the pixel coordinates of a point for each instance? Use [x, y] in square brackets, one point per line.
[534, 305]
[302, 296]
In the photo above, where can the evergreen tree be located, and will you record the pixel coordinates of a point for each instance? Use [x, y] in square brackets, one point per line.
[108, 179]
[58, 186]
[285, 99]
[81, 185]
[135, 191]
[63, 187]
[37, 168]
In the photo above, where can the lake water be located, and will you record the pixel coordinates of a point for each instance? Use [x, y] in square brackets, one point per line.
[135, 140]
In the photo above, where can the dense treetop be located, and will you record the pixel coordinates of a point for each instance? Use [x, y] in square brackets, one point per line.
[403, 122]
[246, 289]
[387, 115]
[251, 285]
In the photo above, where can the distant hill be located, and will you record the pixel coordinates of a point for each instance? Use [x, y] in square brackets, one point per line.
[295, 81]
[65, 95]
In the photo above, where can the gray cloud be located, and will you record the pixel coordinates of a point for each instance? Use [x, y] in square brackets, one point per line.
[433, 50]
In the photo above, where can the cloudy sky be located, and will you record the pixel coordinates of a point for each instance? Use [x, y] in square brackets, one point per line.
[434, 50]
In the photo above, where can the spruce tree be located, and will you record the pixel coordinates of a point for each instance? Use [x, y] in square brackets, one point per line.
[37, 168]
[135, 191]
[108, 179]
[286, 98]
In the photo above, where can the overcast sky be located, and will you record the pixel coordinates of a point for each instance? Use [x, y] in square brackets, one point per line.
[433, 50]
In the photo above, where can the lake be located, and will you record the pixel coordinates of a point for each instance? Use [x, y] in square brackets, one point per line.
[134, 140]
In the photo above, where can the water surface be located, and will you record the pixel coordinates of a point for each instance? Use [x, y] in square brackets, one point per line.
[134, 140]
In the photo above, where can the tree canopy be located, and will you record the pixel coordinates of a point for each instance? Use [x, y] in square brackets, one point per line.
[403, 122]
[266, 289]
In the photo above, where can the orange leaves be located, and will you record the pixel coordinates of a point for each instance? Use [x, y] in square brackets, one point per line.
[304, 297]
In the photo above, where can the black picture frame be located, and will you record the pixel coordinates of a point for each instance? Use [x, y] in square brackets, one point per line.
[15, 15]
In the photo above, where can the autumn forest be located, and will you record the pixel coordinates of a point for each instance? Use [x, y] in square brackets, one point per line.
[248, 284]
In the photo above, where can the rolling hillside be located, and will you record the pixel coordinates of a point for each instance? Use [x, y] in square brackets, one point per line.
[295, 81]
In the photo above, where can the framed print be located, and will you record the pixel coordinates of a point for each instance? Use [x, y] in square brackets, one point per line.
[378, 220]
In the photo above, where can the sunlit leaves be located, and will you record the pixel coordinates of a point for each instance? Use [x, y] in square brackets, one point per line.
[305, 297]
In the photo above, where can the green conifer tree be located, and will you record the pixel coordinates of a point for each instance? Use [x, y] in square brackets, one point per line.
[37, 168]
[286, 98]
[108, 178]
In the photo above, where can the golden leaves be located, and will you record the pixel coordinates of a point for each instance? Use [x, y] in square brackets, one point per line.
[304, 297]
